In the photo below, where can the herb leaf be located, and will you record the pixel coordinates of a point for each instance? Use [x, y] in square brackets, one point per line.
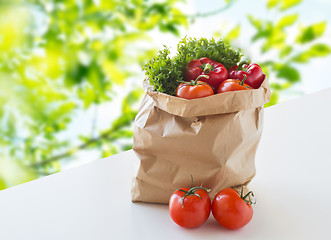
[162, 72]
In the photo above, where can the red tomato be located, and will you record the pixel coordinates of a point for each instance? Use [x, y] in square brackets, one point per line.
[194, 89]
[190, 207]
[232, 85]
[232, 210]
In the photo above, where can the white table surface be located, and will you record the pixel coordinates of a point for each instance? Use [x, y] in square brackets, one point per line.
[292, 186]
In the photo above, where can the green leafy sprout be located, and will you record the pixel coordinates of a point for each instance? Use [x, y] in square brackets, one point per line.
[164, 73]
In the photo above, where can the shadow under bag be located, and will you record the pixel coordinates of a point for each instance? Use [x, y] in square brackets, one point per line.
[214, 139]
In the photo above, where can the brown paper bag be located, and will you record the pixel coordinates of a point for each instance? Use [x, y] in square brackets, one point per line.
[214, 139]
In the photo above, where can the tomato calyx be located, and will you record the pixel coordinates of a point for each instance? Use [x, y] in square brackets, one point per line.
[195, 82]
[247, 197]
[192, 192]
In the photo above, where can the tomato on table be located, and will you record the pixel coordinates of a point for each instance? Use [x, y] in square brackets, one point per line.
[231, 209]
[190, 207]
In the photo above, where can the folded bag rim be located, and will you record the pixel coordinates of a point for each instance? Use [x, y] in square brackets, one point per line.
[216, 104]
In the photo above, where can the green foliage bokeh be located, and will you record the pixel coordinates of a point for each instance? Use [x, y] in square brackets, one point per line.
[58, 58]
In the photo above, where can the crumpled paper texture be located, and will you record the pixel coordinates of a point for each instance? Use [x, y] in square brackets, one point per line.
[214, 139]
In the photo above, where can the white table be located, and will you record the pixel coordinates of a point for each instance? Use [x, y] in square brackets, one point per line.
[292, 185]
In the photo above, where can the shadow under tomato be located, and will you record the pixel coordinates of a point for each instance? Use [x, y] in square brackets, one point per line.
[149, 220]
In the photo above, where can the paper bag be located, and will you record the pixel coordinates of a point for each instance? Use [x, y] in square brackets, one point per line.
[214, 139]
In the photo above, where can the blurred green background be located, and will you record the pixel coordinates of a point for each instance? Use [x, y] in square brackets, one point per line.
[71, 78]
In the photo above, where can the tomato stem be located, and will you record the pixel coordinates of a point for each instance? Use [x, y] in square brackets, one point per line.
[192, 191]
[196, 80]
[249, 201]
[249, 194]
[178, 189]
[242, 82]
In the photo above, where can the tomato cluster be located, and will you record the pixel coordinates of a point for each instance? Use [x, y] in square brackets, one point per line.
[214, 78]
[191, 207]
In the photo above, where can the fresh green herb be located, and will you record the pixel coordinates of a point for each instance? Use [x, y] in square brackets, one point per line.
[164, 73]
